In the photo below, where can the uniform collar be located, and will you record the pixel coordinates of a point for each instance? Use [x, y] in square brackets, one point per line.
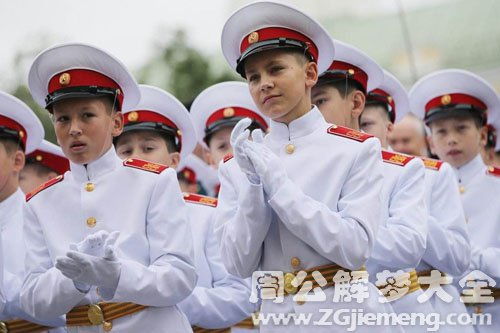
[10, 206]
[299, 127]
[470, 170]
[101, 166]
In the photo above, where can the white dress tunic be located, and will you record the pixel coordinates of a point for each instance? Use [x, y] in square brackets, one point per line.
[155, 246]
[220, 299]
[326, 211]
[480, 193]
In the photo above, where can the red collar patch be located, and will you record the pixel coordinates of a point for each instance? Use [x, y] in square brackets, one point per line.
[493, 171]
[144, 165]
[348, 133]
[431, 163]
[228, 157]
[200, 199]
[42, 187]
[396, 158]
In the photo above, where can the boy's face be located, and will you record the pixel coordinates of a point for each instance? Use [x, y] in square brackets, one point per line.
[456, 140]
[146, 145]
[280, 83]
[85, 128]
[30, 178]
[219, 146]
[11, 163]
[188, 187]
[374, 121]
[338, 109]
[408, 137]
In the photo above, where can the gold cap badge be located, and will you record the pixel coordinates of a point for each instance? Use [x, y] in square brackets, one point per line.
[64, 79]
[253, 37]
[133, 116]
[39, 158]
[446, 99]
[228, 112]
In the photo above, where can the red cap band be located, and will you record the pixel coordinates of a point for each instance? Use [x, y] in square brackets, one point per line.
[83, 78]
[276, 33]
[235, 111]
[145, 116]
[354, 72]
[453, 99]
[55, 162]
[14, 125]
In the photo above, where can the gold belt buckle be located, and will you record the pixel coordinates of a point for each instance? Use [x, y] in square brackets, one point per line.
[95, 314]
[289, 287]
[3, 327]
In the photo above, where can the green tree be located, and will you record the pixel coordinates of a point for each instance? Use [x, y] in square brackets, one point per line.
[182, 70]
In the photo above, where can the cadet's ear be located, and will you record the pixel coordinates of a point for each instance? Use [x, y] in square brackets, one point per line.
[311, 71]
[483, 135]
[175, 158]
[358, 100]
[19, 160]
[390, 127]
[117, 123]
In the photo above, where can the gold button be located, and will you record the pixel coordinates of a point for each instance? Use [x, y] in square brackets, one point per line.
[91, 222]
[290, 148]
[478, 309]
[39, 158]
[95, 314]
[295, 262]
[107, 326]
[461, 189]
[89, 187]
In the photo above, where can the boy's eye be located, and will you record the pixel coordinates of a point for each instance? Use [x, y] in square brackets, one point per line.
[61, 119]
[222, 146]
[150, 148]
[320, 101]
[253, 77]
[88, 115]
[125, 152]
[276, 69]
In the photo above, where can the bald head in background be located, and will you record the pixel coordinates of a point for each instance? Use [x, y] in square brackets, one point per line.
[408, 136]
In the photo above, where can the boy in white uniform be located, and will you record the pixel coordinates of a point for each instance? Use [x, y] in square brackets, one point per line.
[447, 248]
[455, 105]
[305, 197]
[341, 95]
[110, 242]
[20, 133]
[159, 130]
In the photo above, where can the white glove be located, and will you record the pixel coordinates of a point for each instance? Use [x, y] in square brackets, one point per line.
[88, 270]
[94, 244]
[268, 167]
[239, 140]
